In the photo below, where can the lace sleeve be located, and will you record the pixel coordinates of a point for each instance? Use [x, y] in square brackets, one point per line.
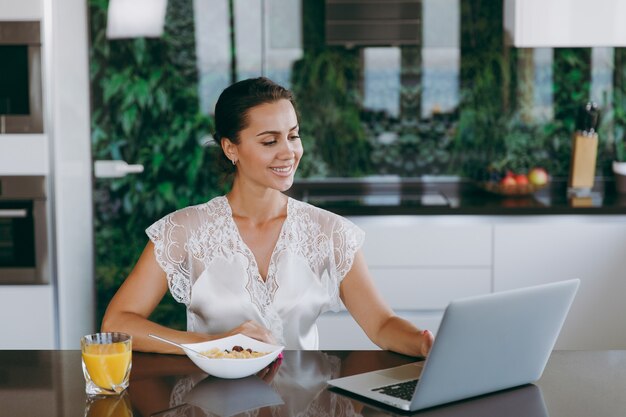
[347, 240]
[170, 249]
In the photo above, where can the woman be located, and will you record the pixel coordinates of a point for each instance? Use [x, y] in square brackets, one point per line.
[255, 261]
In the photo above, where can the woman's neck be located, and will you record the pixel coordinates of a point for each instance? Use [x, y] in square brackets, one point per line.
[256, 205]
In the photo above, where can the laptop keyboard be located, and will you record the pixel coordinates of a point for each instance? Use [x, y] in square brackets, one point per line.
[403, 390]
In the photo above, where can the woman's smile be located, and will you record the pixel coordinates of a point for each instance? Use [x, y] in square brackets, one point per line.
[283, 171]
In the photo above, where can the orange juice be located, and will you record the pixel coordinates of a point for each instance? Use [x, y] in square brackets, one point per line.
[107, 364]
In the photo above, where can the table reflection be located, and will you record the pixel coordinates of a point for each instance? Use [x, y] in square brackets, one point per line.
[294, 387]
[109, 406]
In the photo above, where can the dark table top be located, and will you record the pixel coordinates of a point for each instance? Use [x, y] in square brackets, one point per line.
[50, 383]
[439, 196]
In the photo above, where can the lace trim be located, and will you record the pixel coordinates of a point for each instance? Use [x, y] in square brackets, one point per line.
[175, 267]
[348, 239]
[261, 292]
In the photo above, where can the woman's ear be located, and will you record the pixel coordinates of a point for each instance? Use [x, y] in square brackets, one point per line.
[230, 150]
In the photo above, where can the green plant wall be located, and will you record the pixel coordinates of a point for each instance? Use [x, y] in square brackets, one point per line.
[145, 111]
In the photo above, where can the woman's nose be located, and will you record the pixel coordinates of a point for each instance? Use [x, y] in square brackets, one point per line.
[287, 149]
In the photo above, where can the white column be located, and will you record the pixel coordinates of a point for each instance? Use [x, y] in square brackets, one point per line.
[66, 69]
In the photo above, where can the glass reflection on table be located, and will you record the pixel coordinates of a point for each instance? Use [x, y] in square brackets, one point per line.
[109, 406]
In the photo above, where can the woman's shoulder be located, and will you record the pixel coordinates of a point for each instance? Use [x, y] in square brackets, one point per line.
[327, 219]
[301, 208]
[207, 211]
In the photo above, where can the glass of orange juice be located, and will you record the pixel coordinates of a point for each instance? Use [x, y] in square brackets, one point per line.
[106, 362]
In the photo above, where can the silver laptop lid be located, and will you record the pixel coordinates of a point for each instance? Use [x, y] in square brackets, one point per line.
[493, 342]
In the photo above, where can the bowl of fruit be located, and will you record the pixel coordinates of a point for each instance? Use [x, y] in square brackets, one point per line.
[516, 184]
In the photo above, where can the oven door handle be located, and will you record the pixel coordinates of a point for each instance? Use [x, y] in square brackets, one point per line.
[13, 214]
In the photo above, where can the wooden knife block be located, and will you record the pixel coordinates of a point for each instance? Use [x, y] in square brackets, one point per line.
[583, 164]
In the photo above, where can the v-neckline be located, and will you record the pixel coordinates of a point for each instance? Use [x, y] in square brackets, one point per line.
[270, 265]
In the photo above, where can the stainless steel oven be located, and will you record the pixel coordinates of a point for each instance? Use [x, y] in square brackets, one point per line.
[20, 77]
[23, 230]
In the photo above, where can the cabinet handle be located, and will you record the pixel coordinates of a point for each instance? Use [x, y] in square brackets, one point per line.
[13, 214]
[115, 169]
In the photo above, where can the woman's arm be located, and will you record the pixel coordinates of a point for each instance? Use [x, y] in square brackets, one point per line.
[139, 295]
[370, 311]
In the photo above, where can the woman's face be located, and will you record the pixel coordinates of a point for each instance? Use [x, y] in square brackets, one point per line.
[269, 149]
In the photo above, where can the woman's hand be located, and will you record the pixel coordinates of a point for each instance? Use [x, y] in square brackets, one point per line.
[268, 373]
[255, 330]
[426, 342]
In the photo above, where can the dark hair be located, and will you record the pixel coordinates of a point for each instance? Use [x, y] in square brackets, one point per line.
[233, 105]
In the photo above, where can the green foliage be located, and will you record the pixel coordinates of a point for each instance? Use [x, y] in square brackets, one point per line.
[479, 139]
[524, 147]
[326, 89]
[620, 148]
[409, 148]
[617, 117]
[613, 126]
[572, 84]
[146, 111]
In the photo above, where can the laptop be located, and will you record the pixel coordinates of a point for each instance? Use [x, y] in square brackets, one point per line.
[484, 344]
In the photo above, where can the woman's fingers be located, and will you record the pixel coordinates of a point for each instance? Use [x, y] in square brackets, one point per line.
[256, 331]
[267, 374]
[427, 342]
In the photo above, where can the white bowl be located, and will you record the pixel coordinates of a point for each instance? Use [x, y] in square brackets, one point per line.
[229, 367]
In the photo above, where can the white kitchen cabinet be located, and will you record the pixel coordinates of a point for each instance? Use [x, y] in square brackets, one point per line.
[21, 10]
[429, 288]
[420, 241]
[564, 23]
[27, 313]
[24, 154]
[339, 331]
[418, 266]
[420, 263]
[593, 250]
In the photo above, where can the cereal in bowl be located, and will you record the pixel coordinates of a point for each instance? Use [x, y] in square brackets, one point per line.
[237, 352]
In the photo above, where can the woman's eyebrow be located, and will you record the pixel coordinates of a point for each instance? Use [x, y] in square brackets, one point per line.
[275, 132]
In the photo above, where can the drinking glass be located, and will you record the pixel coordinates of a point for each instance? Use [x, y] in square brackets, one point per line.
[106, 361]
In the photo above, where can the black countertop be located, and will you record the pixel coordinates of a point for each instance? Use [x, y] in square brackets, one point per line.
[51, 384]
[451, 196]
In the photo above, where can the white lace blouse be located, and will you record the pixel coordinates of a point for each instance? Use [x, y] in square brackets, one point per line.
[212, 271]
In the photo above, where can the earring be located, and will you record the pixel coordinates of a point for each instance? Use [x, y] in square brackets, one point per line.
[234, 161]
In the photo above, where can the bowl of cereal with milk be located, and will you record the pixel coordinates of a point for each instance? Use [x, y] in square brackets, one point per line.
[232, 357]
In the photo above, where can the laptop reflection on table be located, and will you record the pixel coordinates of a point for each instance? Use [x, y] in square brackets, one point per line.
[524, 401]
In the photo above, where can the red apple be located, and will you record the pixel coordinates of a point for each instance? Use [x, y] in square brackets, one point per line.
[521, 179]
[538, 176]
[508, 181]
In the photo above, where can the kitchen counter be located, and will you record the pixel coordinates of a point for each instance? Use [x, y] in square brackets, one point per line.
[450, 196]
[50, 383]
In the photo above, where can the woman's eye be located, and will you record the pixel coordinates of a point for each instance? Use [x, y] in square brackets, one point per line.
[295, 137]
[269, 143]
